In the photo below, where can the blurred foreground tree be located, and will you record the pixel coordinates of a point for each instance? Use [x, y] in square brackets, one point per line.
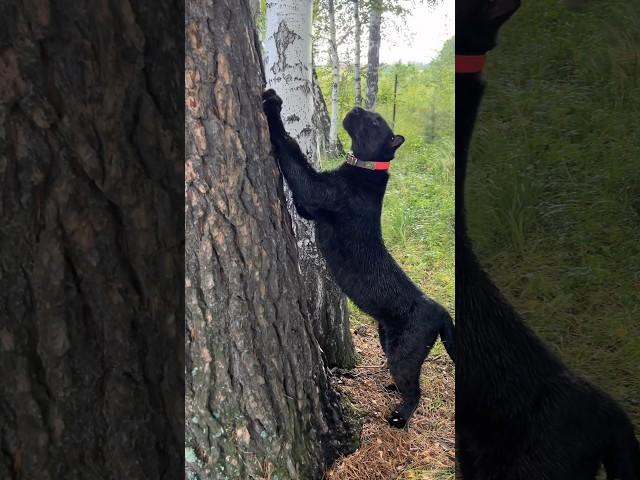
[91, 253]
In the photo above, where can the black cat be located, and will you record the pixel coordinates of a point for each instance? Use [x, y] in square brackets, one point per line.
[346, 205]
[521, 414]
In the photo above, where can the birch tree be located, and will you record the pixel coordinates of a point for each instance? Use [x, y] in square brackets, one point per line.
[356, 55]
[397, 9]
[335, 76]
[373, 57]
[258, 399]
[334, 29]
[288, 69]
[322, 120]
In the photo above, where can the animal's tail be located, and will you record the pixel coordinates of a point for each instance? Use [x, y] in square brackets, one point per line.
[622, 459]
[448, 334]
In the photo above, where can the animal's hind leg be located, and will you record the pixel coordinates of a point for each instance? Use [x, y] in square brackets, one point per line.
[405, 362]
[382, 335]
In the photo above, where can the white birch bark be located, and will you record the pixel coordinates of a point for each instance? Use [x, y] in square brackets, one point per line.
[335, 84]
[288, 69]
[356, 60]
[373, 61]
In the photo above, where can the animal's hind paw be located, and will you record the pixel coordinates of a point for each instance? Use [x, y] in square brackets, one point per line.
[396, 420]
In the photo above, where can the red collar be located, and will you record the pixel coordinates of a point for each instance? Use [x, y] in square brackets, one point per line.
[470, 63]
[353, 160]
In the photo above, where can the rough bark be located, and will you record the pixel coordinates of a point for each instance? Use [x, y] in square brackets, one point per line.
[289, 71]
[258, 399]
[335, 78]
[91, 205]
[375, 19]
[255, 10]
[322, 121]
[356, 58]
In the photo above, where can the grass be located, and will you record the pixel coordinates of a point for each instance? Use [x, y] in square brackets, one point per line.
[418, 221]
[418, 230]
[554, 183]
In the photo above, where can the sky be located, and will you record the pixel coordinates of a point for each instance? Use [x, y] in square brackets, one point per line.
[420, 40]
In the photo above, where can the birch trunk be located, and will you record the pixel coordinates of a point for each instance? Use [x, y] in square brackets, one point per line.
[289, 71]
[322, 121]
[258, 399]
[335, 78]
[356, 60]
[375, 19]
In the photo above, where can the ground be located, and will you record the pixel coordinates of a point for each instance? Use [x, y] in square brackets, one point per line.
[425, 450]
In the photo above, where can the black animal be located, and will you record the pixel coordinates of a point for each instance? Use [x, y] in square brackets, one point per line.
[346, 205]
[520, 413]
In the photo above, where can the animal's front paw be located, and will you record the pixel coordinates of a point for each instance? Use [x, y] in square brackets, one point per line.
[272, 106]
[396, 420]
[271, 103]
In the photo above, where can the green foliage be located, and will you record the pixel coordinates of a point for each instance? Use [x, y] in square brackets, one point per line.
[261, 20]
[554, 185]
[418, 212]
[422, 92]
[427, 473]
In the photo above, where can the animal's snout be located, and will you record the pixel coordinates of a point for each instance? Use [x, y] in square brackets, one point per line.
[354, 113]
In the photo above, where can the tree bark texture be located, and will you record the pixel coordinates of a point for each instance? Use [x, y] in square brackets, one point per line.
[356, 58]
[258, 399]
[91, 258]
[375, 19]
[335, 78]
[289, 71]
[322, 120]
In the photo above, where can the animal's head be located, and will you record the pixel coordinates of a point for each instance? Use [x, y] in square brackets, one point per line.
[478, 22]
[371, 138]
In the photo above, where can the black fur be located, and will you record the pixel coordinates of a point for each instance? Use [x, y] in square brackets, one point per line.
[346, 205]
[521, 414]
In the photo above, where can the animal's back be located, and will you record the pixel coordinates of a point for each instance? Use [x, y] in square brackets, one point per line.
[364, 269]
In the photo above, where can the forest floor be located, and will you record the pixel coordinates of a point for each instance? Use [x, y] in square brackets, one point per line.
[424, 451]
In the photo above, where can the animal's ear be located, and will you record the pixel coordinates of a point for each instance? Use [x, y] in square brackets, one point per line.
[396, 141]
[503, 9]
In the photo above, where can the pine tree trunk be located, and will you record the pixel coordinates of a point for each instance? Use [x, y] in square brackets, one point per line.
[322, 121]
[259, 402]
[91, 205]
[335, 78]
[289, 71]
[375, 19]
[356, 59]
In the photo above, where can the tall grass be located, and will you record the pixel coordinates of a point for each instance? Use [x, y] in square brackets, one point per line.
[554, 182]
[418, 210]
